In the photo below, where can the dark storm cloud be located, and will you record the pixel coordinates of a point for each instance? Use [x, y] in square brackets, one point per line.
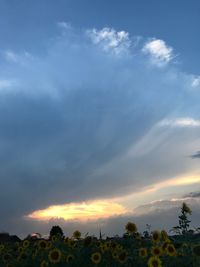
[196, 155]
[70, 116]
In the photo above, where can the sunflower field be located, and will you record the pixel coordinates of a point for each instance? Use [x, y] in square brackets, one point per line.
[131, 250]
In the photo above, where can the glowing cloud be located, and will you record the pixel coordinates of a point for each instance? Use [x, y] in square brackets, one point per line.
[179, 181]
[148, 193]
[83, 211]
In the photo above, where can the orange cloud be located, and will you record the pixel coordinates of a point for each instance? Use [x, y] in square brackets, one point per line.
[92, 210]
[184, 180]
[83, 211]
[155, 191]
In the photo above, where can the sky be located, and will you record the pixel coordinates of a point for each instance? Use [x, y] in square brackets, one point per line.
[99, 114]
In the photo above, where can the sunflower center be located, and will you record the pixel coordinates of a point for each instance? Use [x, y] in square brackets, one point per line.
[55, 255]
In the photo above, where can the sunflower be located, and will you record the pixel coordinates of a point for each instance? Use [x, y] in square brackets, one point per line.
[96, 257]
[156, 236]
[164, 246]
[131, 228]
[122, 257]
[107, 245]
[154, 262]
[170, 249]
[143, 252]
[114, 254]
[156, 251]
[49, 245]
[164, 235]
[54, 255]
[103, 247]
[26, 243]
[54, 238]
[71, 243]
[77, 234]
[44, 264]
[42, 244]
[196, 250]
[20, 249]
[69, 257]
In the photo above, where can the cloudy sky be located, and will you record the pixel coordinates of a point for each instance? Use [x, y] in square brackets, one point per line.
[99, 114]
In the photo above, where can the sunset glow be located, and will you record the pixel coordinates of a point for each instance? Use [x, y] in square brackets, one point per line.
[179, 181]
[101, 209]
[80, 211]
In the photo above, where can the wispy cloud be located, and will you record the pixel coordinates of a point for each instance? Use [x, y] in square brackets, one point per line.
[180, 122]
[159, 51]
[14, 57]
[64, 25]
[10, 56]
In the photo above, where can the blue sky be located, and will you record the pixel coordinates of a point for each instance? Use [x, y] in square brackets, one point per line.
[99, 114]
[28, 24]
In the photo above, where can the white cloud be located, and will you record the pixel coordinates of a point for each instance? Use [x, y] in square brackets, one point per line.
[180, 122]
[110, 40]
[160, 53]
[196, 82]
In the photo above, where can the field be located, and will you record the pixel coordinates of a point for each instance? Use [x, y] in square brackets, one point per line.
[130, 250]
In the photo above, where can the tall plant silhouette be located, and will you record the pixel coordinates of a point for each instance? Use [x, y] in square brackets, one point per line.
[184, 223]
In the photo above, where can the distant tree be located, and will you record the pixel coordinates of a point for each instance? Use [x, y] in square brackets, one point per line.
[56, 230]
